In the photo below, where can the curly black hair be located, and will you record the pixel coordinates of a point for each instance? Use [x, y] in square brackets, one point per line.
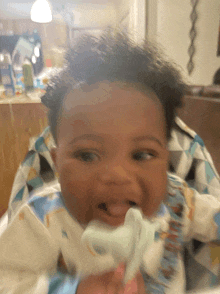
[115, 57]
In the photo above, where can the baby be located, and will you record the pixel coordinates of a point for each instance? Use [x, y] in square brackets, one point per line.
[111, 112]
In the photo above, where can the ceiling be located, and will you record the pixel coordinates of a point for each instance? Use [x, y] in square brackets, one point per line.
[21, 8]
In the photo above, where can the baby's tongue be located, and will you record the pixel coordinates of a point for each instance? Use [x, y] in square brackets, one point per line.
[117, 210]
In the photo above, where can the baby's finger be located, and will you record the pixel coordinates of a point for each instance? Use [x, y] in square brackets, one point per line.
[118, 276]
[141, 284]
[135, 286]
[131, 287]
[116, 284]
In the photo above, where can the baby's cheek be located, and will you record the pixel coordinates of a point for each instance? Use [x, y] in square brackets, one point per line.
[155, 192]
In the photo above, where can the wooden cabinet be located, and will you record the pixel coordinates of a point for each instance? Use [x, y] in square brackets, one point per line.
[202, 114]
[18, 123]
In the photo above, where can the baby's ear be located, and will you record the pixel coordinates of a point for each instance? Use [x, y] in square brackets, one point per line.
[53, 153]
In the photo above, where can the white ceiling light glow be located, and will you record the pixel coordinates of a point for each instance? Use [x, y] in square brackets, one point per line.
[41, 11]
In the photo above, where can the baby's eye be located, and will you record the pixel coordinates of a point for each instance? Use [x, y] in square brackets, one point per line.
[141, 156]
[87, 156]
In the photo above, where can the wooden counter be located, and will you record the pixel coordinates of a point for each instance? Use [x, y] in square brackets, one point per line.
[202, 114]
[19, 121]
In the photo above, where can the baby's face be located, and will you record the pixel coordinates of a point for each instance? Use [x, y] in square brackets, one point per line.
[111, 152]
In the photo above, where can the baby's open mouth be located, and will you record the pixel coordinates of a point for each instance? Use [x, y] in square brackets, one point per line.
[116, 209]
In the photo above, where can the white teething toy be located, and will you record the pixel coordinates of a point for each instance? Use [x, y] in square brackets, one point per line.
[127, 243]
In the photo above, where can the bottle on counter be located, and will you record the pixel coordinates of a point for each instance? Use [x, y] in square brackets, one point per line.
[7, 74]
[28, 75]
[17, 62]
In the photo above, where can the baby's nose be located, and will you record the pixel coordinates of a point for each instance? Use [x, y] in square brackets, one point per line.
[117, 175]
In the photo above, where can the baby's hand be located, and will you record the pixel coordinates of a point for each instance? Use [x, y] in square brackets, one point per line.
[112, 283]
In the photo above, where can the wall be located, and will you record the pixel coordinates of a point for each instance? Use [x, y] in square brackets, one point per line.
[138, 15]
[171, 25]
[123, 8]
[131, 16]
[94, 15]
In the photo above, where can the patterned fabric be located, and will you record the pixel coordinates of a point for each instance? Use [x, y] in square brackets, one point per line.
[61, 284]
[173, 241]
[33, 262]
[189, 159]
[36, 171]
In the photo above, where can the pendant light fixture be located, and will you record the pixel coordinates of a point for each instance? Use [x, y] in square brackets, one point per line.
[41, 11]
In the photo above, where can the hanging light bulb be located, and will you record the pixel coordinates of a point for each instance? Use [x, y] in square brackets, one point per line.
[41, 11]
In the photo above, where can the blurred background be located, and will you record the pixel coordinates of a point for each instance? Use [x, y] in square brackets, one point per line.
[167, 22]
